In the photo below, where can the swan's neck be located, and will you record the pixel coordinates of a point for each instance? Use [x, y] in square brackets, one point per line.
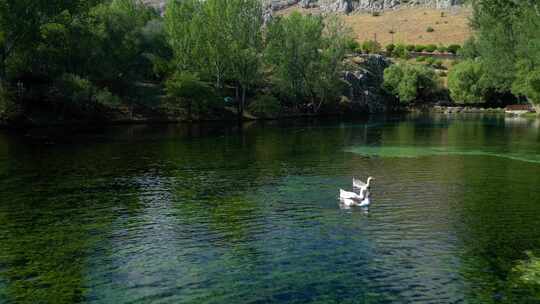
[368, 183]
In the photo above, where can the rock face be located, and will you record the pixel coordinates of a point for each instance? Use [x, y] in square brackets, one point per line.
[343, 6]
[346, 6]
[364, 85]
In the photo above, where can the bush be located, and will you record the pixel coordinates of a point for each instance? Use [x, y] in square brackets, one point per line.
[353, 45]
[105, 97]
[390, 48]
[465, 82]
[430, 29]
[442, 49]
[419, 48]
[371, 47]
[375, 14]
[410, 47]
[438, 64]
[454, 48]
[411, 82]
[75, 89]
[401, 52]
[421, 59]
[266, 106]
[430, 60]
[430, 48]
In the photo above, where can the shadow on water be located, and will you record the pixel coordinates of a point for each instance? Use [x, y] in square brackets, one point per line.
[214, 213]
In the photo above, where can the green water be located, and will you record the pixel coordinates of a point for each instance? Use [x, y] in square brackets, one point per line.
[249, 214]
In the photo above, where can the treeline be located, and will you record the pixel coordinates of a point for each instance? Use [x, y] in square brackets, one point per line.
[77, 58]
[503, 58]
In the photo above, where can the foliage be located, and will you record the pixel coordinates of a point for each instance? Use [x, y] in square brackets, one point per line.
[508, 46]
[306, 55]
[430, 48]
[189, 92]
[419, 48]
[401, 52]
[390, 48]
[265, 106]
[454, 48]
[442, 49]
[371, 47]
[411, 82]
[430, 29]
[410, 47]
[353, 46]
[421, 58]
[465, 82]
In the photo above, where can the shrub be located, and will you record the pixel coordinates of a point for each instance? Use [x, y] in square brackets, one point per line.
[430, 60]
[390, 48]
[442, 49]
[438, 64]
[465, 82]
[188, 91]
[391, 31]
[371, 47]
[410, 82]
[454, 48]
[421, 59]
[375, 13]
[353, 45]
[410, 47]
[419, 48]
[265, 106]
[443, 15]
[401, 52]
[430, 48]
[105, 97]
[430, 29]
[75, 89]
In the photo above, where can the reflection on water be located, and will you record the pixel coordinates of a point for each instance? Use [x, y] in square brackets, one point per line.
[214, 214]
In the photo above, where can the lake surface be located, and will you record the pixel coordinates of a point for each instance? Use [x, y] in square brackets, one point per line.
[230, 214]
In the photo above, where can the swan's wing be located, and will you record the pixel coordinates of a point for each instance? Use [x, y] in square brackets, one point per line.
[358, 183]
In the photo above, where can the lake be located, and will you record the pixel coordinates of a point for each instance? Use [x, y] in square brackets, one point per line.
[217, 213]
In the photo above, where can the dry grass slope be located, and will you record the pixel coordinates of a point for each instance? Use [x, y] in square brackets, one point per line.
[408, 25]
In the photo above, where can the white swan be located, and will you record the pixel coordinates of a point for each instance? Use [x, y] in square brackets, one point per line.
[361, 185]
[350, 195]
[366, 201]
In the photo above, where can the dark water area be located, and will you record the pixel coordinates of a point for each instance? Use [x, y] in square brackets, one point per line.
[249, 214]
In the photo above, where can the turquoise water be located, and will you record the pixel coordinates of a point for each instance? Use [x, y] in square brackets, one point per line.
[249, 214]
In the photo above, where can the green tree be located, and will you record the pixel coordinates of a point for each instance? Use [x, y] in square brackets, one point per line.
[411, 82]
[306, 56]
[465, 82]
[22, 21]
[189, 92]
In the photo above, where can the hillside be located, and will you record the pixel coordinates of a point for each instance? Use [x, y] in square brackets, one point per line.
[406, 25]
[409, 25]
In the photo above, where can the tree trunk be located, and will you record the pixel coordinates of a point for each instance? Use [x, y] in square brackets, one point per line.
[189, 106]
[242, 104]
[3, 66]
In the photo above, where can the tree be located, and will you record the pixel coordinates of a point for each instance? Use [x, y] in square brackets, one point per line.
[465, 82]
[293, 45]
[306, 55]
[21, 22]
[411, 82]
[188, 91]
[509, 46]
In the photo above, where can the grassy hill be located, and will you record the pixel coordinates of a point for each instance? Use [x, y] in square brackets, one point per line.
[408, 25]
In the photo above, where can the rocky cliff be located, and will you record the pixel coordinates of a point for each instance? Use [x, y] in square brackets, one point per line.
[345, 6]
